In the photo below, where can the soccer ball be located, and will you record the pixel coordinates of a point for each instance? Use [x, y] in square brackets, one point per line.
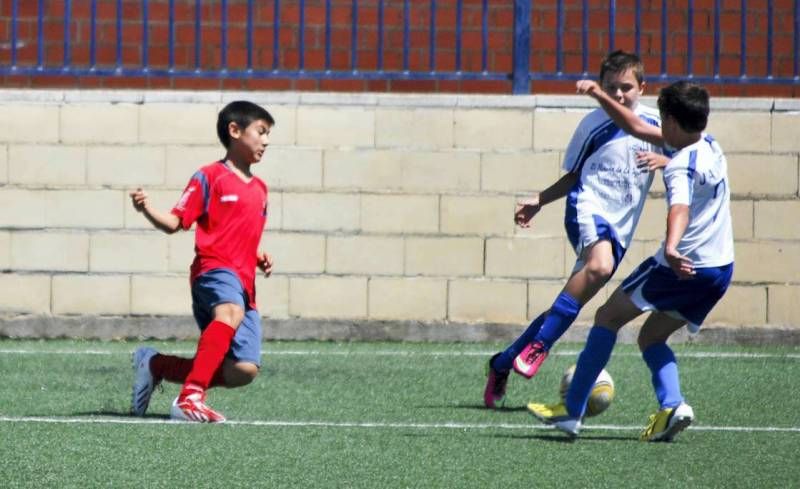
[602, 393]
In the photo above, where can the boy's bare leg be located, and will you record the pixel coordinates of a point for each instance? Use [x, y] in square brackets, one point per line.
[617, 311]
[657, 328]
[238, 374]
[598, 267]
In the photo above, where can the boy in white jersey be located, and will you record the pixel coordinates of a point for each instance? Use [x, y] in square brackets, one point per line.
[682, 282]
[608, 176]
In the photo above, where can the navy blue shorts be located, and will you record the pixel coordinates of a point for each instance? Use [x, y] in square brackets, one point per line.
[222, 286]
[654, 287]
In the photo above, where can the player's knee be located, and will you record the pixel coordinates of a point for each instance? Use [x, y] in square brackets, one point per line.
[648, 338]
[241, 374]
[607, 316]
[600, 271]
[643, 342]
[231, 314]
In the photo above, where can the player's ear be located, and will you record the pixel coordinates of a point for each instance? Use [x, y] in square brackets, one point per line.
[234, 131]
[641, 87]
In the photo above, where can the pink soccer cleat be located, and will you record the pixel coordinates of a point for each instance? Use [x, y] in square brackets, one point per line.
[192, 407]
[529, 360]
[495, 392]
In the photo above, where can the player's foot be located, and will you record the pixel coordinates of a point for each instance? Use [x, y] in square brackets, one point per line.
[668, 422]
[192, 407]
[557, 416]
[143, 381]
[495, 392]
[529, 360]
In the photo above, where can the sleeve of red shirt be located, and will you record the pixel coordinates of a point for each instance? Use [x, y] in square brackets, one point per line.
[194, 200]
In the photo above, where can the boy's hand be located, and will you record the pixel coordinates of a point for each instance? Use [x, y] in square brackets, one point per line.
[650, 161]
[265, 263]
[586, 87]
[526, 209]
[140, 199]
[682, 266]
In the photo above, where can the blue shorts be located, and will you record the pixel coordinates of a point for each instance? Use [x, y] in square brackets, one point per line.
[222, 286]
[654, 287]
[583, 236]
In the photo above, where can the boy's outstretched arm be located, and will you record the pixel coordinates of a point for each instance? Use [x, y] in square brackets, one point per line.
[527, 208]
[621, 115]
[169, 223]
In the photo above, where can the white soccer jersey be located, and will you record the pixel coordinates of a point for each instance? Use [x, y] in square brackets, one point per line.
[608, 198]
[697, 176]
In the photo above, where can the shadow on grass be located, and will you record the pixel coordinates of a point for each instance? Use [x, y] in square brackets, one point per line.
[475, 407]
[111, 413]
[561, 438]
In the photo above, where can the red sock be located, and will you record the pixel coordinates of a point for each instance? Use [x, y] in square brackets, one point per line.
[176, 369]
[211, 349]
[170, 368]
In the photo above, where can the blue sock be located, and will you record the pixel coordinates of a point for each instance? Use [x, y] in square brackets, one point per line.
[562, 314]
[666, 382]
[591, 362]
[504, 361]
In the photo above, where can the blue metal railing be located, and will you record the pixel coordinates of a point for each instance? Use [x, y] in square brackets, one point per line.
[519, 72]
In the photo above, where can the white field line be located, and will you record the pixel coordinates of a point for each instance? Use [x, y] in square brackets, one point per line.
[400, 353]
[367, 425]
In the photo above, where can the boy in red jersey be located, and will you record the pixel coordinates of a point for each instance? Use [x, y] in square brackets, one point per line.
[229, 205]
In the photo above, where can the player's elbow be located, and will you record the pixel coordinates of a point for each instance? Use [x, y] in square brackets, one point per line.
[171, 225]
[171, 229]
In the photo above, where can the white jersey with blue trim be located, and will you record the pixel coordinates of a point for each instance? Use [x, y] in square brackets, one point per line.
[607, 200]
[697, 176]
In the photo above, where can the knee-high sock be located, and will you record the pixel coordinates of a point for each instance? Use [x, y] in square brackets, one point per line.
[176, 369]
[211, 349]
[591, 362]
[562, 314]
[504, 361]
[664, 368]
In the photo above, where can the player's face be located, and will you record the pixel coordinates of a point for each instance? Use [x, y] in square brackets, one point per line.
[623, 87]
[253, 140]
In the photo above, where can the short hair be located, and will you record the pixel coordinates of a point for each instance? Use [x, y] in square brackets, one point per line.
[243, 113]
[687, 103]
[619, 61]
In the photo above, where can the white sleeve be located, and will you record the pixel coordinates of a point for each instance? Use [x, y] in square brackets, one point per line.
[679, 181]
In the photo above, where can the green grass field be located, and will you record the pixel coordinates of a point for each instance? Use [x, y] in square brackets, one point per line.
[378, 415]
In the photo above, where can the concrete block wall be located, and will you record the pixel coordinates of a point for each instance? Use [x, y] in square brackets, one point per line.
[383, 208]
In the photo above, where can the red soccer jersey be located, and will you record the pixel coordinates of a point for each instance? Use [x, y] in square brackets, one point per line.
[230, 215]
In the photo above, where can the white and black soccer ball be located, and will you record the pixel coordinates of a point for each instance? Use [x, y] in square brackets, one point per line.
[602, 392]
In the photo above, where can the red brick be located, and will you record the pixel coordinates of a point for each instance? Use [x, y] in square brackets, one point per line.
[197, 83]
[342, 85]
[266, 84]
[54, 81]
[412, 85]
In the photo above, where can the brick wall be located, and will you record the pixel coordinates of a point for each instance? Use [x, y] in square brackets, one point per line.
[500, 22]
[393, 209]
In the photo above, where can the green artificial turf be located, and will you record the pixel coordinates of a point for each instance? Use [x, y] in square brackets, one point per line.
[378, 415]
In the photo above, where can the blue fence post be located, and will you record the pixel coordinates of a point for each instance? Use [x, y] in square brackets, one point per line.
[521, 55]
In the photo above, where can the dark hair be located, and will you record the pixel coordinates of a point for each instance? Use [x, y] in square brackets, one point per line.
[619, 61]
[243, 113]
[687, 103]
